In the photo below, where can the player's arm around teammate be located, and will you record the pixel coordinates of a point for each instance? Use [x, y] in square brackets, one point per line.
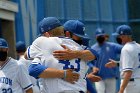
[68, 54]
[39, 71]
[74, 29]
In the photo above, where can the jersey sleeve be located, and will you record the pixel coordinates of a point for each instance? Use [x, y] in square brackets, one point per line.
[36, 68]
[127, 61]
[33, 52]
[94, 53]
[23, 77]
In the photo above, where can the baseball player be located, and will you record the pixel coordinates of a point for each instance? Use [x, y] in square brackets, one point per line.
[13, 75]
[106, 50]
[20, 49]
[46, 46]
[74, 29]
[129, 61]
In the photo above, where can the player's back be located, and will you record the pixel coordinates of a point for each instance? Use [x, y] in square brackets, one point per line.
[78, 64]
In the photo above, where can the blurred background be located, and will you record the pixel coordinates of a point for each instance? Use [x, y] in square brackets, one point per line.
[19, 18]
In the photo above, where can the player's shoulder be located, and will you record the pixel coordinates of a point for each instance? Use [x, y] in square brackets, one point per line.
[130, 46]
[12, 63]
[41, 38]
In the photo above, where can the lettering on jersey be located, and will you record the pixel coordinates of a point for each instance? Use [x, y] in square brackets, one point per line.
[6, 80]
[67, 64]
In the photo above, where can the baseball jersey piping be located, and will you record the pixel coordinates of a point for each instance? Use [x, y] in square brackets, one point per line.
[27, 87]
[5, 63]
[28, 54]
[127, 69]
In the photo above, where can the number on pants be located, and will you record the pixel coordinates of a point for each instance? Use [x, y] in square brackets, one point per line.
[67, 64]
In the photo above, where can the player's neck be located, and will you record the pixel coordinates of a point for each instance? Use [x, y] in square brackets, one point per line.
[129, 40]
[3, 62]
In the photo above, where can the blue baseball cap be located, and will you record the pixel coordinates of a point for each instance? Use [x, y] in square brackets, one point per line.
[123, 30]
[20, 46]
[100, 32]
[75, 27]
[3, 43]
[48, 24]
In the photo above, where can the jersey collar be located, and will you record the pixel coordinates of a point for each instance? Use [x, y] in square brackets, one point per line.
[8, 59]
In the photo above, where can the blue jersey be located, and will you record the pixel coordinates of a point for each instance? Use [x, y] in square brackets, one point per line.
[106, 51]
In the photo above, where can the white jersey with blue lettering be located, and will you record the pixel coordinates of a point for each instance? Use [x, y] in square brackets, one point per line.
[130, 59]
[34, 81]
[44, 47]
[14, 77]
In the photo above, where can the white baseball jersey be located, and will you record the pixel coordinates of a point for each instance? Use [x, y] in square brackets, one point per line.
[44, 47]
[130, 59]
[14, 77]
[27, 63]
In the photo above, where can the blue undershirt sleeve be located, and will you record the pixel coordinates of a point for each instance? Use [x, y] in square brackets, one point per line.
[36, 69]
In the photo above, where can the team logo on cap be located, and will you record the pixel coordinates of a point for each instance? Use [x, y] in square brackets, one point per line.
[84, 28]
[121, 32]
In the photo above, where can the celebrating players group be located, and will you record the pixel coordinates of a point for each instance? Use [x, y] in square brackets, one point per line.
[60, 60]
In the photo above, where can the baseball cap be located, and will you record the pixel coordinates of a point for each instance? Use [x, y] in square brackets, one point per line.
[100, 32]
[3, 43]
[20, 46]
[123, 30]
[76, 27]
[48, 24]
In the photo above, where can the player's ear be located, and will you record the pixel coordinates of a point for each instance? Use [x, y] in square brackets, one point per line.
[46, 34]
[67, 33]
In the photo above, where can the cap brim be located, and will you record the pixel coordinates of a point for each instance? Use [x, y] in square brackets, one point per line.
[101, 34]
[82, 36]
[115, 34]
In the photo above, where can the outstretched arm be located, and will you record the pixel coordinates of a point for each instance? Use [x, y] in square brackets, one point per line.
[68, 54]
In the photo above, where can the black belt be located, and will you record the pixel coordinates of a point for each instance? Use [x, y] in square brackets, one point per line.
[132, 79]
[81, 92]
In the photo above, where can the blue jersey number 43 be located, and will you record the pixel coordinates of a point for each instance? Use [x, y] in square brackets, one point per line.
[67, 64]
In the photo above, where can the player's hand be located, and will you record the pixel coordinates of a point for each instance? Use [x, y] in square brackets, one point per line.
[111, 64]
[93, 77]
[71, 76]
[95, 70]
[121, 91]
[65, 54]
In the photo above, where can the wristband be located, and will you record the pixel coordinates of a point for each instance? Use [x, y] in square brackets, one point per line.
[65, 74]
